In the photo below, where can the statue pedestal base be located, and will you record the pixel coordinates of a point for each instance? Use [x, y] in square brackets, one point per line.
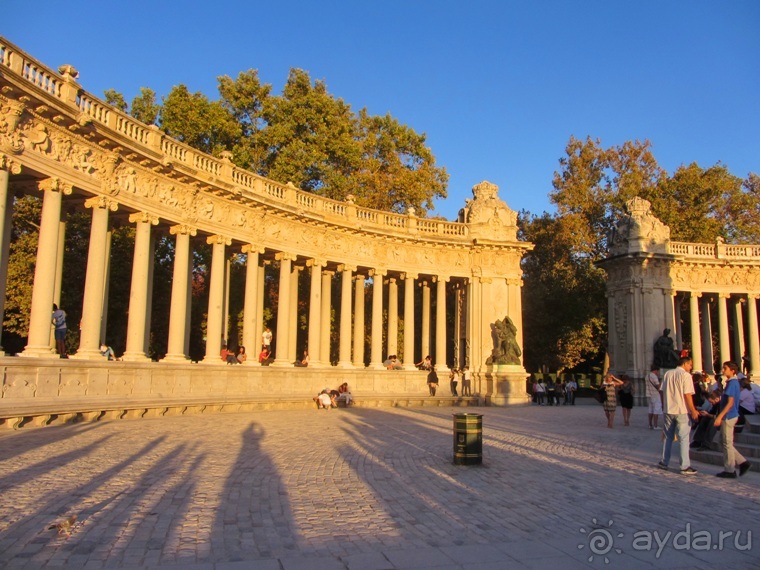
[505, 385]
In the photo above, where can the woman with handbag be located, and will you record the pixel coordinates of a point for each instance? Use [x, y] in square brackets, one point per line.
[610, 385]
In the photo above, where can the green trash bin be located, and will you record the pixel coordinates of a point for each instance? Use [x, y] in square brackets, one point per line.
[468, 439]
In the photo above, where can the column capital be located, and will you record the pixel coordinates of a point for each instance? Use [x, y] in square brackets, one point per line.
[183, 229]
[285, 256]
[695, 294]
[411, 276]
[55, 185]
[315, 262]
[343, 267]
[101, 202]
[251, 248]
[754, 296]
[724, 295]
[444, 278]
[391, 280]
[143, 218]
[359, 277]
[7, 163]
[378, 272]
[218, 240]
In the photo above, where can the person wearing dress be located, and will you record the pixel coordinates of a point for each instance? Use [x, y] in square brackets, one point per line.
[611, 385]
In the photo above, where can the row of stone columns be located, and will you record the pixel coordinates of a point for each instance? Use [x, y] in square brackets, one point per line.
[47, 285]
[730, 346]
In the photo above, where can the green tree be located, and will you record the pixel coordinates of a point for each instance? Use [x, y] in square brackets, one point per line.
[145, 108]
[193, 119]
[397, 170]
[311, 138]
[565, 286]
[113, 97]
[244, 99]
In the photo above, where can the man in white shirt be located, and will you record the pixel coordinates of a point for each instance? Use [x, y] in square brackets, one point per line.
[678, 406]
[654, 397]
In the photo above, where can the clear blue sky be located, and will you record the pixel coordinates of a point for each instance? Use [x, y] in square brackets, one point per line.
[498, 87]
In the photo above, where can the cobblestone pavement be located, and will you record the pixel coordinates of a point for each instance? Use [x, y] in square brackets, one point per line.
[366, 489]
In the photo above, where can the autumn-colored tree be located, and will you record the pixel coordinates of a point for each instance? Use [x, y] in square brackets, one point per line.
[590, 191]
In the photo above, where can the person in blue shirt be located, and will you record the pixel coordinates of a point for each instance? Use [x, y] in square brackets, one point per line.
[726, 420]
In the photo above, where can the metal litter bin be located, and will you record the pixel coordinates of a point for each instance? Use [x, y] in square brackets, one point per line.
[468, 439]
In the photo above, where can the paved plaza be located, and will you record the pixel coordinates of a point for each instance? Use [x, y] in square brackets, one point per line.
[366, 489]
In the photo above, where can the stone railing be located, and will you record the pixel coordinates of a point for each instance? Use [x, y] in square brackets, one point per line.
[715, 251]
[209, 169]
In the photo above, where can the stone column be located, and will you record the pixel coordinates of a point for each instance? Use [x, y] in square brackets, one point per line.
[696, 337]
[58, 275]
[294, 353]
[344, 358]
[283, 310]
[252, 327]
[754, 336]
[392, 316]
[376, 349]
[707, 348]
[178, 313]
[92, 306]
[425, 322]
[409, 321]
[325, 318]
[6, 213]
[738, 331]
[675, 304]
[724, 340]
[215, 315]
[106, 282]
[149, 303]
[261, 279]
[138, 292]
[458, 313]
[315, 312]
[441, 359]
[475, 323]
[40, 317]
[359, 321]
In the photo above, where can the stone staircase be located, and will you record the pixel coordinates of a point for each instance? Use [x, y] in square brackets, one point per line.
[747, 443]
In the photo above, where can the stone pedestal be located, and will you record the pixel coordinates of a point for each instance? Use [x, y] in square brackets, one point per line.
[504, 385]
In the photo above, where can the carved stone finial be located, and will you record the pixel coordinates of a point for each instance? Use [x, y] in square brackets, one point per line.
[68, 72]
[226, 156]
[640, 230]
[488, 215]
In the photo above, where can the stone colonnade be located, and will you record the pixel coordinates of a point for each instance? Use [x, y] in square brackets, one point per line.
[706, 294]
[60, 142]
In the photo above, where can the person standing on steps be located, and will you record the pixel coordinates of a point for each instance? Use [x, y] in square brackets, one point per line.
[59, 322]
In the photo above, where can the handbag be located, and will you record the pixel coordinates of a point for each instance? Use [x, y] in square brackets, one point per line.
[601, 395]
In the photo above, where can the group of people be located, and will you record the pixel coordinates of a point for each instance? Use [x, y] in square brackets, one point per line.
[693, 401]
[554, 393]
[329, 398]
[455, 375]
[232, 357]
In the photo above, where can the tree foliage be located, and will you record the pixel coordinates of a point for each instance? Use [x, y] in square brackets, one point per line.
[305, 136]
[590, 191]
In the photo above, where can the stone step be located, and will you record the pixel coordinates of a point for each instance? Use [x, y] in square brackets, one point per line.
[716, 458]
